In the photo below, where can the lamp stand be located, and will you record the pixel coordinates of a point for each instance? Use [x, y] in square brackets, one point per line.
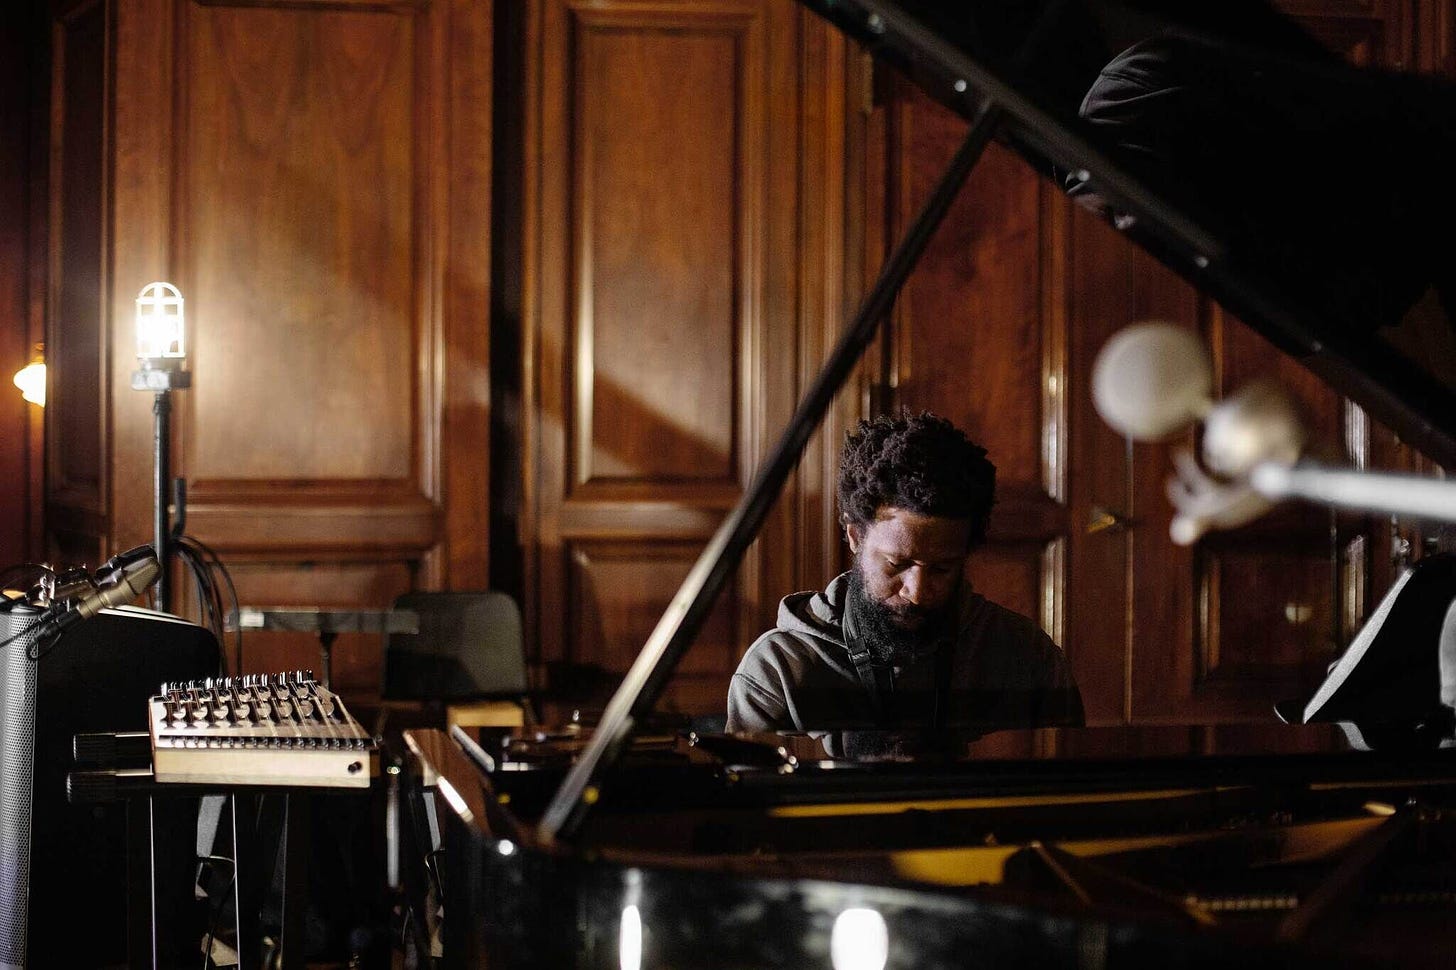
[162, 473]
[162, 380]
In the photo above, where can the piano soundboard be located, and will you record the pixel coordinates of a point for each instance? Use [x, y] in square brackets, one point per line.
[258, 729]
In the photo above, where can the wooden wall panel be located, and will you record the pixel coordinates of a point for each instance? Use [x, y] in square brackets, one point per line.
[312, 422]
[23, 221]
[297, 239]
[658, 252]
[619, 593]
[1011, 575]
[76, 429]
[1283, 637]
[1131, 595]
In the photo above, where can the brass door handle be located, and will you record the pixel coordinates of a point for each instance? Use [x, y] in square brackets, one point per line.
[1103, 520]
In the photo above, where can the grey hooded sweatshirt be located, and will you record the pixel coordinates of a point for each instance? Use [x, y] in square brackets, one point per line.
[1004, 672]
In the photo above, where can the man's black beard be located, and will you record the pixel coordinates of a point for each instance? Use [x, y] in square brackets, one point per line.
[888, 642]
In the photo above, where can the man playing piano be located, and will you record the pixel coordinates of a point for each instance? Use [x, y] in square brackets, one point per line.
[901, 641]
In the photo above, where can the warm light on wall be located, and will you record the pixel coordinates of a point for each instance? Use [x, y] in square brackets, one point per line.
[31, 379]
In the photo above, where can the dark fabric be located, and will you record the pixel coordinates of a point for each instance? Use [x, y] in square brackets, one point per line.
[1004, 672]
[1332, 181]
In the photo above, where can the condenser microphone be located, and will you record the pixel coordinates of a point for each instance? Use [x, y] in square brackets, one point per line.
[1152, 380]
[126, 584]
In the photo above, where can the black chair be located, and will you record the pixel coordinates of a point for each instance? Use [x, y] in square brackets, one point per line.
[469, 648]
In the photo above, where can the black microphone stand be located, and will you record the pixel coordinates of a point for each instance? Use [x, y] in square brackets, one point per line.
[162, 376]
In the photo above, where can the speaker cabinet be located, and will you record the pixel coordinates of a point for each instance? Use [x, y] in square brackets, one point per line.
[67, 861]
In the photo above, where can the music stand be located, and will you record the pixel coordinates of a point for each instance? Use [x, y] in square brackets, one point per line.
[327, 623]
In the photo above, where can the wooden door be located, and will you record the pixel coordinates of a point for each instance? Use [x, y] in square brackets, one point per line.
[681, 213]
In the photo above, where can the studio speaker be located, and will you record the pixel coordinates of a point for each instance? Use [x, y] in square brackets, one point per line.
[55, 857]
[17, 773]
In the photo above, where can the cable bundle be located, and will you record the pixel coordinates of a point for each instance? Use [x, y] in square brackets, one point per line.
[207, 569]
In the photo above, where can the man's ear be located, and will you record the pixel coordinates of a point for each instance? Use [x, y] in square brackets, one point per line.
[851, 533]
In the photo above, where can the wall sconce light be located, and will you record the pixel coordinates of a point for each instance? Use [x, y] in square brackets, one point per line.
[31, 379]
[162, 352]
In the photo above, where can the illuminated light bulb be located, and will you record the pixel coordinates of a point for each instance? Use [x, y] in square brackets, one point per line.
[160, 323]
[31, 379]
[860, 940]
[630, 939]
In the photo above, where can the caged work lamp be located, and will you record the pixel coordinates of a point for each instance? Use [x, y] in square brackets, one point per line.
[162, 357]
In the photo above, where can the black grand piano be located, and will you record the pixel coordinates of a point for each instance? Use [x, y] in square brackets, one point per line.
[630, 845]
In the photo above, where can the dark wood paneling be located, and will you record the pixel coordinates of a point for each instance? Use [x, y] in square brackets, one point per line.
[1435, 37]
[78, 186]
[1288, 637]
[1130, 597]
[1011, 575]
[22, 224]
[142, 83]
[979, 336]
[1366, 32]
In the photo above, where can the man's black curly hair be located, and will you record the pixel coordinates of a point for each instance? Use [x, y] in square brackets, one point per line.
[920, 462]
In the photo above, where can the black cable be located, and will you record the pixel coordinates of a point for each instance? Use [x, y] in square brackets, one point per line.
[217, 566]
[206, 590]
[227, 578]
[28, 630]
[43, 646]
[210, 860]
[205, 565]
[205, 605]
[208, 597]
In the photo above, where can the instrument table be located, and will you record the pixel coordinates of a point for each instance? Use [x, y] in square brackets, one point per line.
[120, 771]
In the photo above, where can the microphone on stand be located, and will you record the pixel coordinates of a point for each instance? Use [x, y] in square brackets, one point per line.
[1153, 380]
[123, 579]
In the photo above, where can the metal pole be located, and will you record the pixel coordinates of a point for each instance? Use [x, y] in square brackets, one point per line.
[162, 474]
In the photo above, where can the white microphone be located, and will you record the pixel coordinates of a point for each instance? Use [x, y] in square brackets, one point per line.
[1153, 380]
[128, 584]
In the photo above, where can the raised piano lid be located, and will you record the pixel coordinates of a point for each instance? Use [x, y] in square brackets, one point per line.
[1305, 195]
[1310, 198]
